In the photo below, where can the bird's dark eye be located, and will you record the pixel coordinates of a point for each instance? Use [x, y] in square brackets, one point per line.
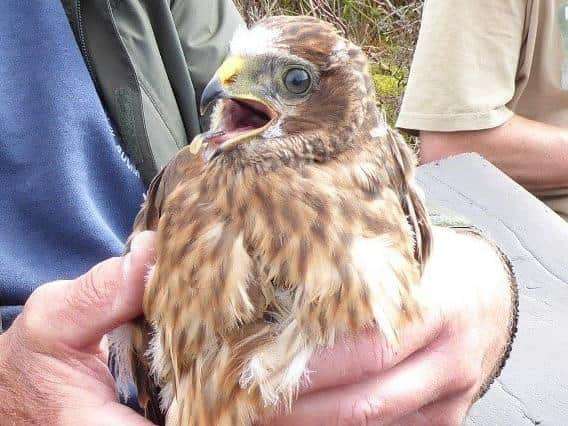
[297, 81]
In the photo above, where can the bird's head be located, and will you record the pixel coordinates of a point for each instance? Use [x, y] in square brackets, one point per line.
[291, 88]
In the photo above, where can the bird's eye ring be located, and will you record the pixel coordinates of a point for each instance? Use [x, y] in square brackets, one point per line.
[297, 81]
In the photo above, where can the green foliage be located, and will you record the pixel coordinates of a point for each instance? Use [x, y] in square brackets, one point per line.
[386, 85]
[390, 80]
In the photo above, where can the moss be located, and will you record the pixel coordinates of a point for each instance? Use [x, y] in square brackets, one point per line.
[386, 85]
[389, 79]
[389, 86]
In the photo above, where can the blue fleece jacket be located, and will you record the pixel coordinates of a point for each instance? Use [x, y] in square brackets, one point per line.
[68, 195]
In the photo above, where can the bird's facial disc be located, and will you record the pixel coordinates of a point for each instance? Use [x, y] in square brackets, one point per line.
[249, 97]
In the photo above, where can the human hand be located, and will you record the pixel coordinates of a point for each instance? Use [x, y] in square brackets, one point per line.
[53, 361]
[442, 363]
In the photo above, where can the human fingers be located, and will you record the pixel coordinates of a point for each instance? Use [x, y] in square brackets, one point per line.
[424, 377]
[78, 313]
[450, 411]
[358, 357]
[110, 414]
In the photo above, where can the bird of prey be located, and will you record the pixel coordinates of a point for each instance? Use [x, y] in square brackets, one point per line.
[295, 219]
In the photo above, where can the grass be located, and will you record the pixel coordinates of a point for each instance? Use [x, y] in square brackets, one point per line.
[386, 29]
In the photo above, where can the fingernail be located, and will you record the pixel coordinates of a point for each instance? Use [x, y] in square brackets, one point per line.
[126, 266]
[140, 247]
[136, 247]
[141, 243]
[135, 243]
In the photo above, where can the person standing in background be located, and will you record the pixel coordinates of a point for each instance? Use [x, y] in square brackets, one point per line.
[492, 78]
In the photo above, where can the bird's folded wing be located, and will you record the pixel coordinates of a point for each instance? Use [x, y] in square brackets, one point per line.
[130, 342]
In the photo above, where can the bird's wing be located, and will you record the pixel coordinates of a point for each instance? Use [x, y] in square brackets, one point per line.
[412, 202]
[129, 343]
[387, 260]
[183, 166]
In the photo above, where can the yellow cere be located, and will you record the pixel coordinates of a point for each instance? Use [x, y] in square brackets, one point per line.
[230, 68]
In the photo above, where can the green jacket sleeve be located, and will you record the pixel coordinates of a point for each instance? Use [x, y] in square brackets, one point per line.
[150, 61]
[205, 33]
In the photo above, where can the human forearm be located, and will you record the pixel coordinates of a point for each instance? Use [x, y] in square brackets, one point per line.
[532, 153]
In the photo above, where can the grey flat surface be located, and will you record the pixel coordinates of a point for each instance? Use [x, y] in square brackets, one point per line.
[533, 387]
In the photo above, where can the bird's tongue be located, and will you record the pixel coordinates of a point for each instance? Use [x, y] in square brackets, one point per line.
[238, 118]
[222, 136]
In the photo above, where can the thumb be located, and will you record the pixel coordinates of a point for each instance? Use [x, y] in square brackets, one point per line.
[78, 313]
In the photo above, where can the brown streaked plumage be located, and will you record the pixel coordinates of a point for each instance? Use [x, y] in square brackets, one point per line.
[298, 220]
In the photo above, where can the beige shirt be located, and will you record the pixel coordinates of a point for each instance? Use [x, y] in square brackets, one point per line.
[479, 61]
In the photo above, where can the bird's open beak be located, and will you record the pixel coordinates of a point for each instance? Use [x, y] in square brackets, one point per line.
[241, 117]
[213, 92]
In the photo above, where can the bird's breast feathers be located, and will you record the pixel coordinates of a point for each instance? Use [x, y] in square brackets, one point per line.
[326, 229]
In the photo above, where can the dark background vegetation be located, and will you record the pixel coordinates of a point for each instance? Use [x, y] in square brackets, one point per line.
[386, 29]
